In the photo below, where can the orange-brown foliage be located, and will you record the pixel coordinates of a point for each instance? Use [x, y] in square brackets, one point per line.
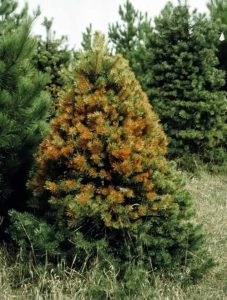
[106, 141]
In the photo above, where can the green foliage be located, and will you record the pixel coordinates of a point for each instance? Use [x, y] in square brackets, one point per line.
[31, 233]
[218, 12]
[129, 38]
[222, 56]
[185, 85]
[87, 38]
[23, 105]
[51, 57]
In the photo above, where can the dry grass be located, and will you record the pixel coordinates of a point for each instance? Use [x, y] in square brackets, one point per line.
[21, 280]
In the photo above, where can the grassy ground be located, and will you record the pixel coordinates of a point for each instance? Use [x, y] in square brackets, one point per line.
[24, 280]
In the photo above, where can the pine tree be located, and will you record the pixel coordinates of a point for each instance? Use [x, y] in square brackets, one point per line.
[23, 105]
[102, 171]
[87, 38]
[129, 38]
[218, 14]
[185, 85]
[51, 56]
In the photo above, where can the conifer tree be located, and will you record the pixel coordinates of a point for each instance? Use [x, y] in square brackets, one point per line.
[218, 14]
[87, 38]
[23, 105]
[185, 85]
[128, 37]
[51, 56]
[103, 174]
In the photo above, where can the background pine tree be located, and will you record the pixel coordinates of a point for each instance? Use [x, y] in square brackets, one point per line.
[184, 85]
[23, 105]
[102, 180]
[128, 37]
[218, 14]
[51, 57]
[87, 38]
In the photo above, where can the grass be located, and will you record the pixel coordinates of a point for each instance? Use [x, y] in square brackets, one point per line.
[24, 280]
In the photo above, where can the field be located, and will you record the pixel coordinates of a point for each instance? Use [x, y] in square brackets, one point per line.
[25, 280]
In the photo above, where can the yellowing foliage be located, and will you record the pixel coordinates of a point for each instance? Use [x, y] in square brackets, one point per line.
[106, 147]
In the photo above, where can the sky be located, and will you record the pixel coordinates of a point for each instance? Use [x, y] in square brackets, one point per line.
[71, 17]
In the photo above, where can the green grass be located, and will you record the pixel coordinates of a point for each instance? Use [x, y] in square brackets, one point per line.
[21, 279]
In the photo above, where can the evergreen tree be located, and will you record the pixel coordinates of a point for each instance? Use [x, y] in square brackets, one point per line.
[23, 105]
[218, 13]
[184, 85]
[129, 38]
[51, 56]
[87, 38]
[102, 173]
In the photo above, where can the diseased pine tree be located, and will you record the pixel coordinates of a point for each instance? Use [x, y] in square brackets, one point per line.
[23, 105]
[102, 174]
[185, 85]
